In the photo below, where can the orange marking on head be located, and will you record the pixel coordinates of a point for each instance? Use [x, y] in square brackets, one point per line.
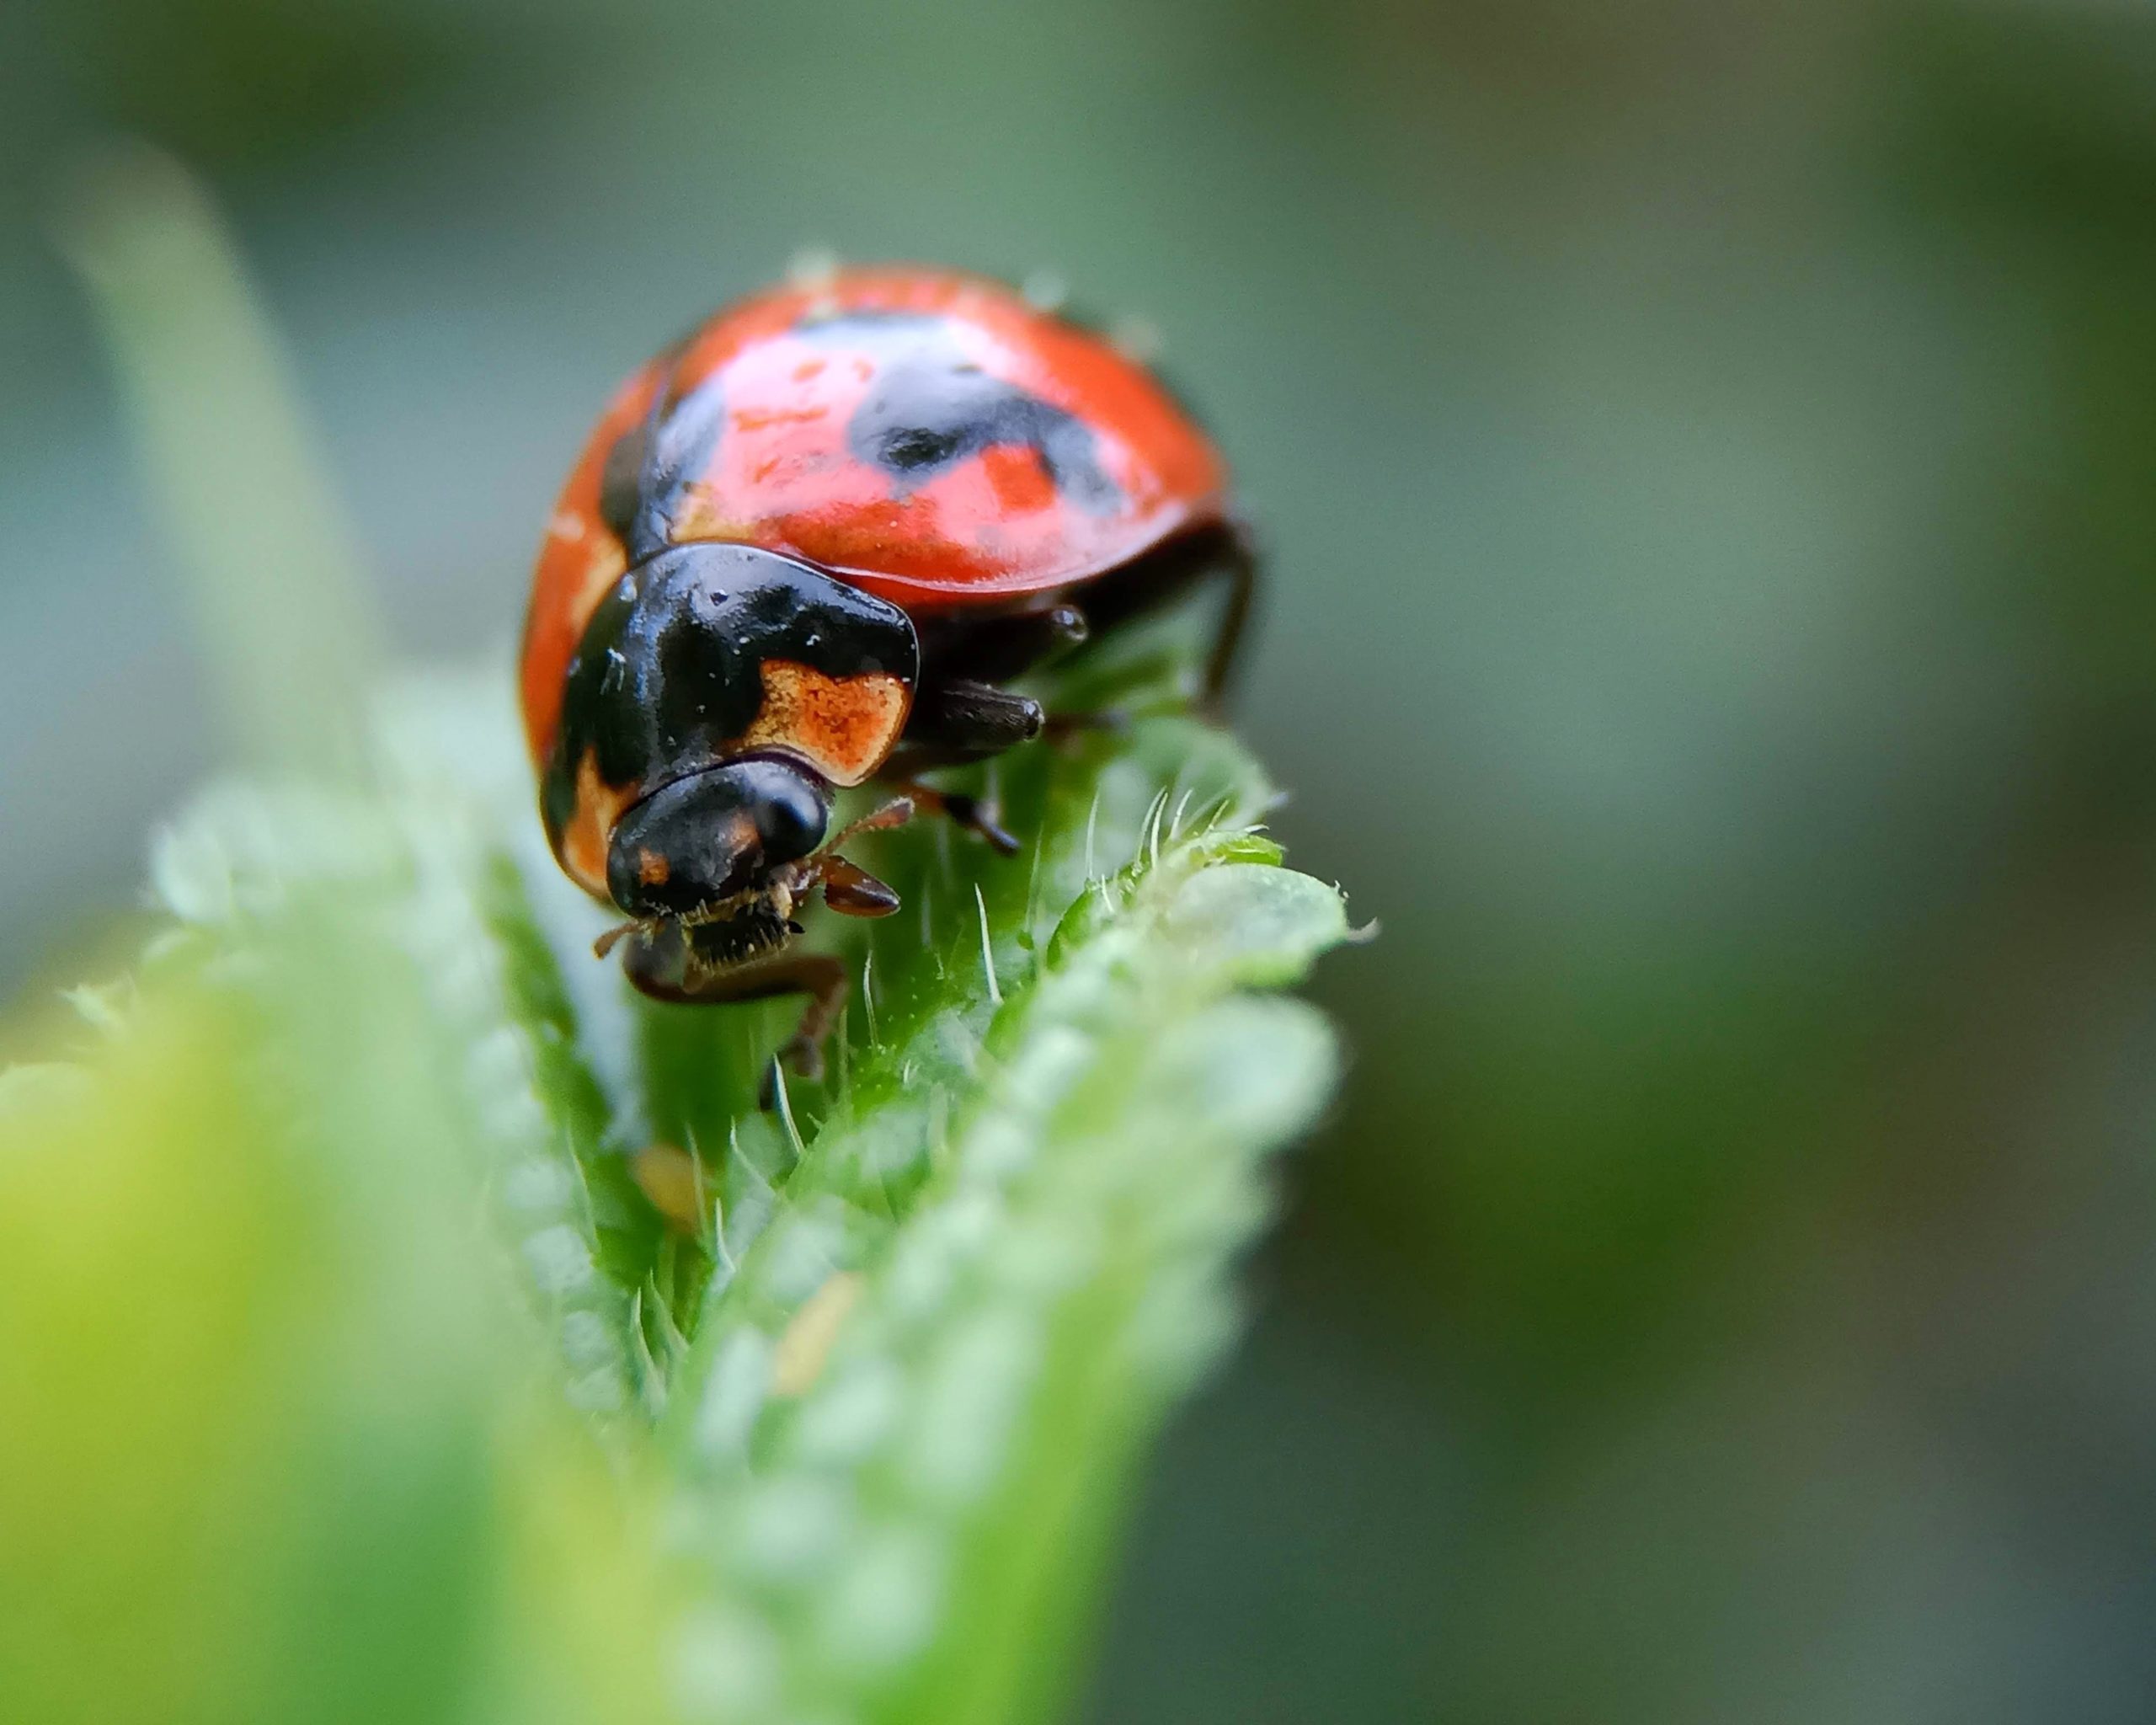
[844, 727]
[584, 840]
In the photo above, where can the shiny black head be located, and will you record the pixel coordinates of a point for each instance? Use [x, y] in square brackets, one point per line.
[712, 835]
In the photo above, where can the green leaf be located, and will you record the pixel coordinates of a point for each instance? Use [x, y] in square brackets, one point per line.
[273, 1444]
[899, 1372]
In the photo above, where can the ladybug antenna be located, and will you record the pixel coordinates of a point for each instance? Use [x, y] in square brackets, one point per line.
[620, 931]
[895, 812]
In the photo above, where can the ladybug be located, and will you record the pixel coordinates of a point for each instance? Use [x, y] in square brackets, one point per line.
[806, 548]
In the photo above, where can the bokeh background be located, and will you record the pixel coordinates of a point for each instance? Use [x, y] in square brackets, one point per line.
[1709, 457]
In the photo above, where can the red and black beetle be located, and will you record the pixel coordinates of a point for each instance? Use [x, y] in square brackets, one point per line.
[806, 547]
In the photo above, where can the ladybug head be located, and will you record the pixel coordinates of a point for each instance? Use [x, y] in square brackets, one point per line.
[714, 835]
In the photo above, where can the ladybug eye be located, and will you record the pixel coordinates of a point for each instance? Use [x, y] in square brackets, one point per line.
[791, 814]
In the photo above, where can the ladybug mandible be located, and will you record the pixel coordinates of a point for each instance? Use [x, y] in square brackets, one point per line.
[805, 548]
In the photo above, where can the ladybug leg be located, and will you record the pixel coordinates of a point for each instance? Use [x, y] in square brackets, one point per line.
[1236, 567]
[955, 721]
[970, 813]
[964, 718]
[657, 972]
[822, 978]
[1223, 554]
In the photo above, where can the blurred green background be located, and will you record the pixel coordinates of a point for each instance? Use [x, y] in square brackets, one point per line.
[1709, 455]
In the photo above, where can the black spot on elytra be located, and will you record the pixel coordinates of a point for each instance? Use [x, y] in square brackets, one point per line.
[921, 417]
[931, 406]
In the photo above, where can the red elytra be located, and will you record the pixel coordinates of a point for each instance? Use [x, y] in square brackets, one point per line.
[783, 393]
